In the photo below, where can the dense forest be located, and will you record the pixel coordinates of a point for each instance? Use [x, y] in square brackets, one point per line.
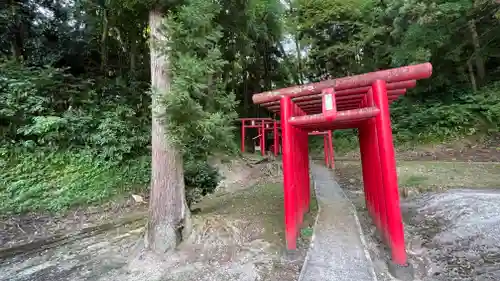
[76, 95]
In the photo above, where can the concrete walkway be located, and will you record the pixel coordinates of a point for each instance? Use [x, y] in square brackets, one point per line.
[338, 251]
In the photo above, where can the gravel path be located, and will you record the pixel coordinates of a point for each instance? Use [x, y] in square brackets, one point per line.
[338, 252]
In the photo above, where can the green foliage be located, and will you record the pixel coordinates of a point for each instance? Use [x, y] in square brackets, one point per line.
[362, 35]
[345, 140]
[200, 179]
[96, 113]
[46, 108]
[467, 114]
[57, 181]
[200, 112]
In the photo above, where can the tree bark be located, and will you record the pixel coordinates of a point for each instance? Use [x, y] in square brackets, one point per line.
[104, 39]
[17, 36]
[169, 217]
[481, 73]
[294, 16]
[133, 54]
[299, 58]
[471, 76]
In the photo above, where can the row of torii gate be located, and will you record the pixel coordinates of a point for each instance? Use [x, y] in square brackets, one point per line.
[265, 125]
[360, 101]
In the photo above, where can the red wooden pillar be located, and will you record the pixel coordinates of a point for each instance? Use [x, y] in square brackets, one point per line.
[243, 136]
[371, 168]
[263, 138]
[297, 166]
[305, 182]
[287, 135]
[389, 174]
[304, 168]
[326, 151]
[307, 179]
[258, 135]
[367, 181]
[276, 138]
[380, 196]
[330, 148]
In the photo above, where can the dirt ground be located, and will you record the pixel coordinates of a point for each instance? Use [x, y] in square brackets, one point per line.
[440, 199]
[238, 235]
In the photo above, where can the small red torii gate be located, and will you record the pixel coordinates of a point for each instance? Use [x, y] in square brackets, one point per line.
[360, 101]
[263, 124]
[327, 147]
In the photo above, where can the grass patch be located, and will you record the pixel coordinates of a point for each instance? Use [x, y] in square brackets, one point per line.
[415, 180]
[449, 174]
[430, 174]
[307, 231]
[262, 207]
[57, 181]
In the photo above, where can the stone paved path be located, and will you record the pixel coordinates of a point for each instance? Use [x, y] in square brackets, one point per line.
[338, 251]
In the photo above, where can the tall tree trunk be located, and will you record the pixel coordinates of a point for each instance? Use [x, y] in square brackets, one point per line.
[17, 35]
[133, 54]
[477, 52]
[169, 216]
[294, 16]
[16, 49]
[299, 58]
[471, 76]
[104, 39]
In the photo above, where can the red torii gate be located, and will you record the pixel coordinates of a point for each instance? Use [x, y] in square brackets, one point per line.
[360, 101]
[327, 147]
[263, 125]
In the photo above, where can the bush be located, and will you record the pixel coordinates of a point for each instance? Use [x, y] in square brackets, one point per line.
[57, 181]
[48, 108]
[68, 141]
[467, 114]
[200, 179]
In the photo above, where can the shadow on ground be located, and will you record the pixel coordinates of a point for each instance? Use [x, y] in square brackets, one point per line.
[238, 235]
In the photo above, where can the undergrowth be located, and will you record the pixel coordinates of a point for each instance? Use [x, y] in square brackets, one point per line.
[71, 141]
[58, 181]
[55, 182]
